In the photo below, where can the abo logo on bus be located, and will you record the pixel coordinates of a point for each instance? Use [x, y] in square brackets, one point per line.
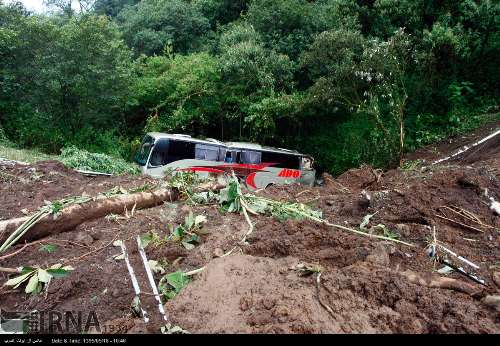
[289, 173]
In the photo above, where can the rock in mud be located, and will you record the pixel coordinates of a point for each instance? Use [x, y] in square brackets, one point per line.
[84, 238]
[380, 255]
[496, 278]
[492, 301]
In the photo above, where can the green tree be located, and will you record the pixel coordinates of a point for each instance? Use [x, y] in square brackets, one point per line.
[250, 72]
[363, 76]
[59, 80]
[289, 25]
[221, 11]
[152, 24]
[178, 93]
[112, 7]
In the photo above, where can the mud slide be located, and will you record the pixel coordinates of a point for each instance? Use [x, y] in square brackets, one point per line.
[361, 285]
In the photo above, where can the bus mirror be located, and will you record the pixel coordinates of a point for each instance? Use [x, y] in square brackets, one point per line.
[306, 163]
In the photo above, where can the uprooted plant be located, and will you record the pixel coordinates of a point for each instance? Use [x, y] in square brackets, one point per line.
[38, 278]
[185, 182]
[171, 284]
[379, 228]
[232, 199]
[188, 233]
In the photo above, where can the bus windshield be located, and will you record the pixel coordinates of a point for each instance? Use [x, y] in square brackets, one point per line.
[142, 155]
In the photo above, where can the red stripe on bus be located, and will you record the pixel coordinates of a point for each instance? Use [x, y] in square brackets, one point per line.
[251, 180]
[202, 169]
[247, 165]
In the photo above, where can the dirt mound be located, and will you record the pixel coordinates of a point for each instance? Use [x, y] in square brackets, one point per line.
[247, 294]
[359, 178]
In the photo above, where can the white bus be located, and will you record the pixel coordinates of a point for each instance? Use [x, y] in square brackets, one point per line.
[257, 165]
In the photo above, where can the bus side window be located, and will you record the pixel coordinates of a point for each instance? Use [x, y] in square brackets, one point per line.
[251, 157]
[180, 150]
[281, 160]
[206, 152]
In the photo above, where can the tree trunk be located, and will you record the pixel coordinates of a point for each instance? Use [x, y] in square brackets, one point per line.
[76, 214]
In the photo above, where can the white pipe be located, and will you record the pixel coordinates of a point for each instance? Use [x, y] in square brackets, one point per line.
[151, 278]
[12, 162]
[465, 148]
[134, 281]
[459, 257]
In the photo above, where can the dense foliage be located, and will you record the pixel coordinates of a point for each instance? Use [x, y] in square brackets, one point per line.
[347, 81]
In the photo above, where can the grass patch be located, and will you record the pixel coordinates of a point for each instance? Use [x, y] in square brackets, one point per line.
[23, 155]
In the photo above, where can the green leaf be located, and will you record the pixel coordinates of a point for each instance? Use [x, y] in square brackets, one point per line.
[178, 233]
[58, 273]
[146, 238]
[44, 276]
[50, 248]
[19, 279]
[187, 245]
[156, 267]
[200, 219]
[366, 221]
[25, 270]
[177, 280]
[32, 285]
[189, 221]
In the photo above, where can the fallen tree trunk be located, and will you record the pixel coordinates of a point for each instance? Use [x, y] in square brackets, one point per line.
[76, 214]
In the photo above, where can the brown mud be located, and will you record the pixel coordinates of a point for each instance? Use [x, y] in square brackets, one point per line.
[257, 289]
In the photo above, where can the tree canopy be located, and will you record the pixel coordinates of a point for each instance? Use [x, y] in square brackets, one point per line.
[347, 81]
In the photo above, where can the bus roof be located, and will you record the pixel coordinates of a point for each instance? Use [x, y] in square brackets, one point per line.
[229, 145]
[253, 146]
[177, 136]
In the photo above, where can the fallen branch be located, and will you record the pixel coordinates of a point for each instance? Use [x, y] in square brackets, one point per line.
[2, 258]
[74, 259]
[9, 270]
[467, 215]
[324, 305]
[92, 173]
[459, 223]
[41, 242]
[314, 218]
[440, 282]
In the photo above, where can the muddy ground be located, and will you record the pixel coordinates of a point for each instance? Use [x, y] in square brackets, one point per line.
[364, 286]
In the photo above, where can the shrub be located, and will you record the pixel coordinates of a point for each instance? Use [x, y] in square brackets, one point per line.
[81, 159]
